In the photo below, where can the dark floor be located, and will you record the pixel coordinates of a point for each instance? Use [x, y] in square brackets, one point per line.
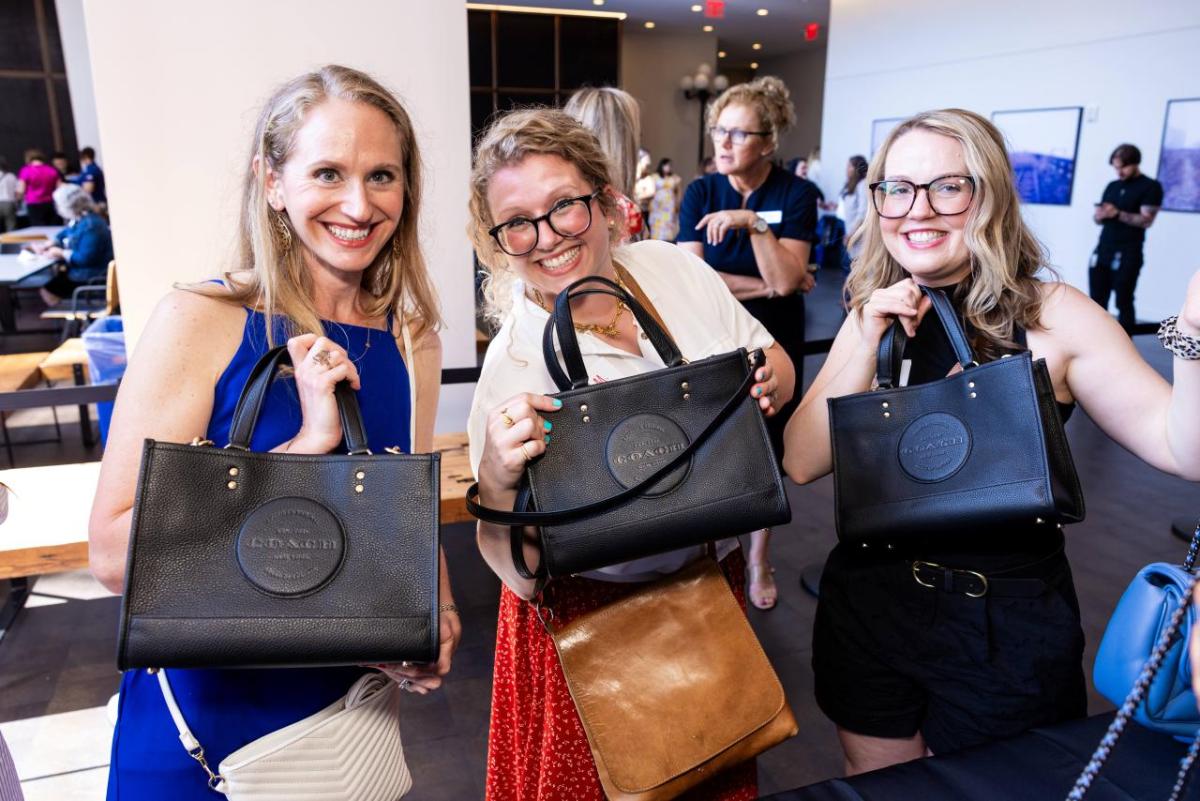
[60, 658]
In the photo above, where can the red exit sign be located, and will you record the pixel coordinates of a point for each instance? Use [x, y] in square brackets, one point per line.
[810, 31]
[714, 9]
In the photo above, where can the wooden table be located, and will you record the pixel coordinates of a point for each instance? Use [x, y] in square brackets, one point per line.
[47, 526]
[31, 234]
[13, 268]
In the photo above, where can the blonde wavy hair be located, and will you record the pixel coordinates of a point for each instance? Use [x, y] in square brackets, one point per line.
[507, 142]
[280, 284]
[613, 115]
[1003, 290]
[770, 99]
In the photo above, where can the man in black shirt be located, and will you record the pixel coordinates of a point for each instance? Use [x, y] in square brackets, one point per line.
[1126, 210]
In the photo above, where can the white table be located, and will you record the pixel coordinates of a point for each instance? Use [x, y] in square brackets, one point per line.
[15, 267]
[31, 234]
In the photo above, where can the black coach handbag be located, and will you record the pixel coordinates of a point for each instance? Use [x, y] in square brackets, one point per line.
[646, 464]
[982, 447]
[244, 559]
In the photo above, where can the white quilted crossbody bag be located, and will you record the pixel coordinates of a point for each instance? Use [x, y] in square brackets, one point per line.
[349, 751]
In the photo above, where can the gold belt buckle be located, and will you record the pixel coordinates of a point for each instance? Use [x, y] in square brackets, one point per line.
[917, 576]
[982, 579]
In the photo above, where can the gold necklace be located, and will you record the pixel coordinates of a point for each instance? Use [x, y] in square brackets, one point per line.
[609, 330]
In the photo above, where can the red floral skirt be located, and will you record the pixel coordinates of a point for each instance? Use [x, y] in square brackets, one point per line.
[537, 748]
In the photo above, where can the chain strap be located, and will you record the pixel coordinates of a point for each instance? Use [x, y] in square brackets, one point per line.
[1189, 562]
[1121, 720]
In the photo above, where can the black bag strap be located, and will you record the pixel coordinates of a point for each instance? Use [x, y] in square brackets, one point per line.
[559, 516]
[561, 322]
[1140, 687]
[254, 393]
[893, 342]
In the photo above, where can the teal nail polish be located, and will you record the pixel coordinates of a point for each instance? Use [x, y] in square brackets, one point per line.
[547, 439]
[758, 392]
[548, 425]
[557, 403]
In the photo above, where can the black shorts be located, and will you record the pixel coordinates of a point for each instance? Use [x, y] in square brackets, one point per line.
[892, 657]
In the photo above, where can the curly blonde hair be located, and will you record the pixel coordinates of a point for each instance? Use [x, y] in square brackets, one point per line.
[507, 142]
[1003, 290]
[279, 283]
[770, 99]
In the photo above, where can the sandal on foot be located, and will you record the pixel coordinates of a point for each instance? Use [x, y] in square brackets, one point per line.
[761, 589]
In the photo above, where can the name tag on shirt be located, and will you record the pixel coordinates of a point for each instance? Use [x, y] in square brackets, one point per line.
[772, 217]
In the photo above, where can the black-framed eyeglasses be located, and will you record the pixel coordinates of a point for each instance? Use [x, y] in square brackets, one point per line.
[948, 196]
[570, 218]
[736, 135]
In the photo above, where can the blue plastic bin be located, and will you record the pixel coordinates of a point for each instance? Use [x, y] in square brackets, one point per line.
[104, 342]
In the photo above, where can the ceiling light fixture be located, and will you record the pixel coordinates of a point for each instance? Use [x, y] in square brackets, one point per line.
[708, 29]
[753, 65]
[649, 25]
[721, 54]
[762, 12]
[597, 2]
[697, 8]
[757, 46]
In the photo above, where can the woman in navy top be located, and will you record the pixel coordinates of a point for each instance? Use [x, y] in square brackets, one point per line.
[331, 265]
[754, 223]
[84, 246]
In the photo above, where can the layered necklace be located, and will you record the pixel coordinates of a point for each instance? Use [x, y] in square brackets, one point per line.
[610, 330]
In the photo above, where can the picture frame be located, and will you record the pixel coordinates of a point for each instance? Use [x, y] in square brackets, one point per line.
[1043, 146]
[1179, 157]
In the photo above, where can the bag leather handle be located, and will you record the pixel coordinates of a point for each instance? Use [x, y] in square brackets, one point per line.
[562, 323]
[521, 515]
[892, 345]
[254, 393]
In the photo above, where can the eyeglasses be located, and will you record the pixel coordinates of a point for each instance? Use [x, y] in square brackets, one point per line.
[737, 135]
[570, 218]
[948, 196]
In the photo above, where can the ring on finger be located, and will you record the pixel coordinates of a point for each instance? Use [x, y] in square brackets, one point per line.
[321, 357]
[524, 452]
[508, 421]
[406, 684]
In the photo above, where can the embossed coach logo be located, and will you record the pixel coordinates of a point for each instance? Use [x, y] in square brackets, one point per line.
[934, 447]
[290, 546]
[642, 444]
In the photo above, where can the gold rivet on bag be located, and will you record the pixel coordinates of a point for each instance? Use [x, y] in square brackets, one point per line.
[885, 404]
[233, 471]
[583, 407]
[358, 487]
[232, 485]
[360, 475]
[587, 419]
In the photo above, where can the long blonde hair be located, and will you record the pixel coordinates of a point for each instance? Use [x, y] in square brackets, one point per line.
[279, 283]
[507, 142]
[1002, 290]
[614, 117]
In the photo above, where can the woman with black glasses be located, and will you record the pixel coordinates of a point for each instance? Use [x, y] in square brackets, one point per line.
[755, 223]
[941, 643]
[544, 215]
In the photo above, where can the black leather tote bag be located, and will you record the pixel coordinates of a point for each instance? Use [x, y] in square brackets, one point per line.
[646, 464]
[244, 559]
[982, 447]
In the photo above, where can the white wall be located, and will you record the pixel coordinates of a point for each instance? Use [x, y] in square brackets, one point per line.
[73, 32]
[178, 88]
[1124, 60]
[651, 66]
[804, 73]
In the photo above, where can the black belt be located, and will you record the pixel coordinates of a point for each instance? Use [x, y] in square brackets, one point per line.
[972, 583]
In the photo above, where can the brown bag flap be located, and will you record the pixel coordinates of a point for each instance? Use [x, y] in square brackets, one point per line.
[668, 678]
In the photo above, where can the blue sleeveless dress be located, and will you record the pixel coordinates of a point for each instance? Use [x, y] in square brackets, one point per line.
[227, 709]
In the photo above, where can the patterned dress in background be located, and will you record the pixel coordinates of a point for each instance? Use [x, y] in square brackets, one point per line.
[664, 208]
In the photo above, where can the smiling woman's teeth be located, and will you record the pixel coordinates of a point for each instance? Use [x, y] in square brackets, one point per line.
[924, 236]
[351, 234]
[560, 260]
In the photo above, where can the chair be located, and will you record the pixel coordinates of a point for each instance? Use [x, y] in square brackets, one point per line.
[10, 785]
[20, 371]
[94, 299]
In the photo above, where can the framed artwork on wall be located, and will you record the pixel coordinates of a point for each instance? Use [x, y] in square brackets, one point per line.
[880, 130]
[1179, 164]
[1043, 144]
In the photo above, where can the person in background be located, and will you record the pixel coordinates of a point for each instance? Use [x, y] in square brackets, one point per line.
[754, 223]
[853, 204]
[799, 167]
[614, 116]
[330, 263]
[8, 197]
[906, 665]
[36, 183]
[1127, 208]
[60, 162]
[83, 248]
[91, 178]
[664, 206]
[543, 216]
[708, 166]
